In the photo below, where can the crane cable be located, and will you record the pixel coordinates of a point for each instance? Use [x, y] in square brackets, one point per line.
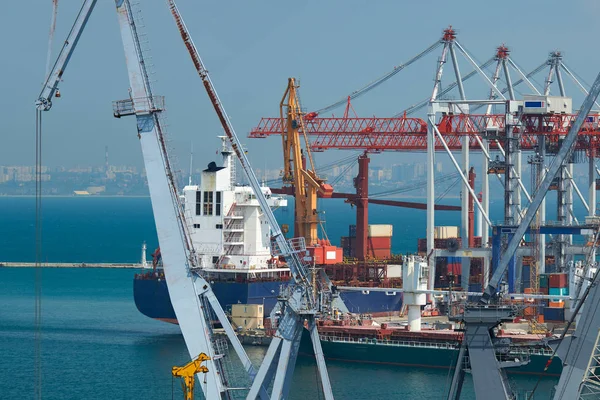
[51, 34]
[379, 81]
[38, 258]
[38, 223]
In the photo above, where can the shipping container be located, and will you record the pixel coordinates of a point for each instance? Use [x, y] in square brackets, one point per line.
[529, 311]
[556, 303]
[345, 242]
[475, 287]
[352, 231]
[380, 254]
[445, 232]
[379, 242]
[558, 291]
[540, 318]
[454, 268]
[558, 281]
[394, 271]
[554, 314]
[543, 290]
[544, 281]
[380, 230]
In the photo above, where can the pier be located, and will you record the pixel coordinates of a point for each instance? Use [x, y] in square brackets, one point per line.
[20, 264]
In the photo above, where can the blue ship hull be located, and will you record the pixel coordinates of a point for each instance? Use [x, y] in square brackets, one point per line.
[151, 297]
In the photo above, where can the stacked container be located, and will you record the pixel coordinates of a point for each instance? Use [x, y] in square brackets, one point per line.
[379, 242]
[558, 285]
[544, 284]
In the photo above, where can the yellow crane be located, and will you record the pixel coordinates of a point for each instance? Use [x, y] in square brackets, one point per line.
[304, 179]
[187, 372]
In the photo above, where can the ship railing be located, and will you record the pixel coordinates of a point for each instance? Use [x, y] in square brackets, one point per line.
[297, 245]
[142, 105]
[397, 343]
[235, 213]
[233, 227]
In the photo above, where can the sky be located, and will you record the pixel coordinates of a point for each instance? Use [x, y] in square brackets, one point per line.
[250, 49]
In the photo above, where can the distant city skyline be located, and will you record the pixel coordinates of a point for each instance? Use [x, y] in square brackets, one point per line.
[250, 58]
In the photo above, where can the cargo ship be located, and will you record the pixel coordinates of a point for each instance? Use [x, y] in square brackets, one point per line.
[233, 240]
[429, 348]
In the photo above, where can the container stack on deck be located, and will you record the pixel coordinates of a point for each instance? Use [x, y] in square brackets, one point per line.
[558, 285]
[379, 242]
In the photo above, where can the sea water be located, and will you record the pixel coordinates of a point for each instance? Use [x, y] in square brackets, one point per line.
[96, 345]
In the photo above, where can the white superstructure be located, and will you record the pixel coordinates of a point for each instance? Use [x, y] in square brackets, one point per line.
[229, 232]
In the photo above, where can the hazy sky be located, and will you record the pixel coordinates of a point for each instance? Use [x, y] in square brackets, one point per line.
[250, 49]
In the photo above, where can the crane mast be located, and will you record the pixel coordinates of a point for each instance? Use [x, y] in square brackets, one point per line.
[304, 178]
[191, 296]
[297, 301]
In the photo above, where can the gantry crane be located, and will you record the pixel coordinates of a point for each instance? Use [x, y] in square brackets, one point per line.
[188, 373]
[193, 300]
[302, 176]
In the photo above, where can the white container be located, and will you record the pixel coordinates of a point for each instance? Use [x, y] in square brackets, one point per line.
[445, 232]
[380, 230]
[394, 271]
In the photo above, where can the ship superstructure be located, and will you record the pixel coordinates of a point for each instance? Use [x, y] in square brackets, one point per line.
[231, 235]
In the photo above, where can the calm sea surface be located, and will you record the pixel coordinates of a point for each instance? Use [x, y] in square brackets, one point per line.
[96, 345]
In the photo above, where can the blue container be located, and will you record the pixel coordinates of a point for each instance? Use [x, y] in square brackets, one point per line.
[554, 314]
[526, 276]
[476, 288]
[352, 231]
[558, 291]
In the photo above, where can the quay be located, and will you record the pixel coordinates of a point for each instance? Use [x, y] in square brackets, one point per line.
[20, 264]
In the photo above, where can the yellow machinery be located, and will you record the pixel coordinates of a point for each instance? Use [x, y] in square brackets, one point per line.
[305, 181]
[188, 372]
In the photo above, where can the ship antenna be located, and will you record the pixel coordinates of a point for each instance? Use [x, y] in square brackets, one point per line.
[191, 162]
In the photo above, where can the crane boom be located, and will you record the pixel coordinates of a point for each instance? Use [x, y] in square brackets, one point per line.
[50, 86]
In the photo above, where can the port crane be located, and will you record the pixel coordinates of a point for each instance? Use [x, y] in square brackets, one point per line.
[188, 373]
[302, 176]
[195, 304]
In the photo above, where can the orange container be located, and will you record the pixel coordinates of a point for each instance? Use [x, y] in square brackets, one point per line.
[540, 318]
[557, 304]
[529, 311]
[528, 290]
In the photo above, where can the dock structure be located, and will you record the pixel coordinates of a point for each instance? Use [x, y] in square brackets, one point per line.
[20, 264]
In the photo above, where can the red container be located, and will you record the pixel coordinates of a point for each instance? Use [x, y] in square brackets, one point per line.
[380, 254]
[558, 281]
[543, 290]
[455, 269]
[422, 245]
[382, 242]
